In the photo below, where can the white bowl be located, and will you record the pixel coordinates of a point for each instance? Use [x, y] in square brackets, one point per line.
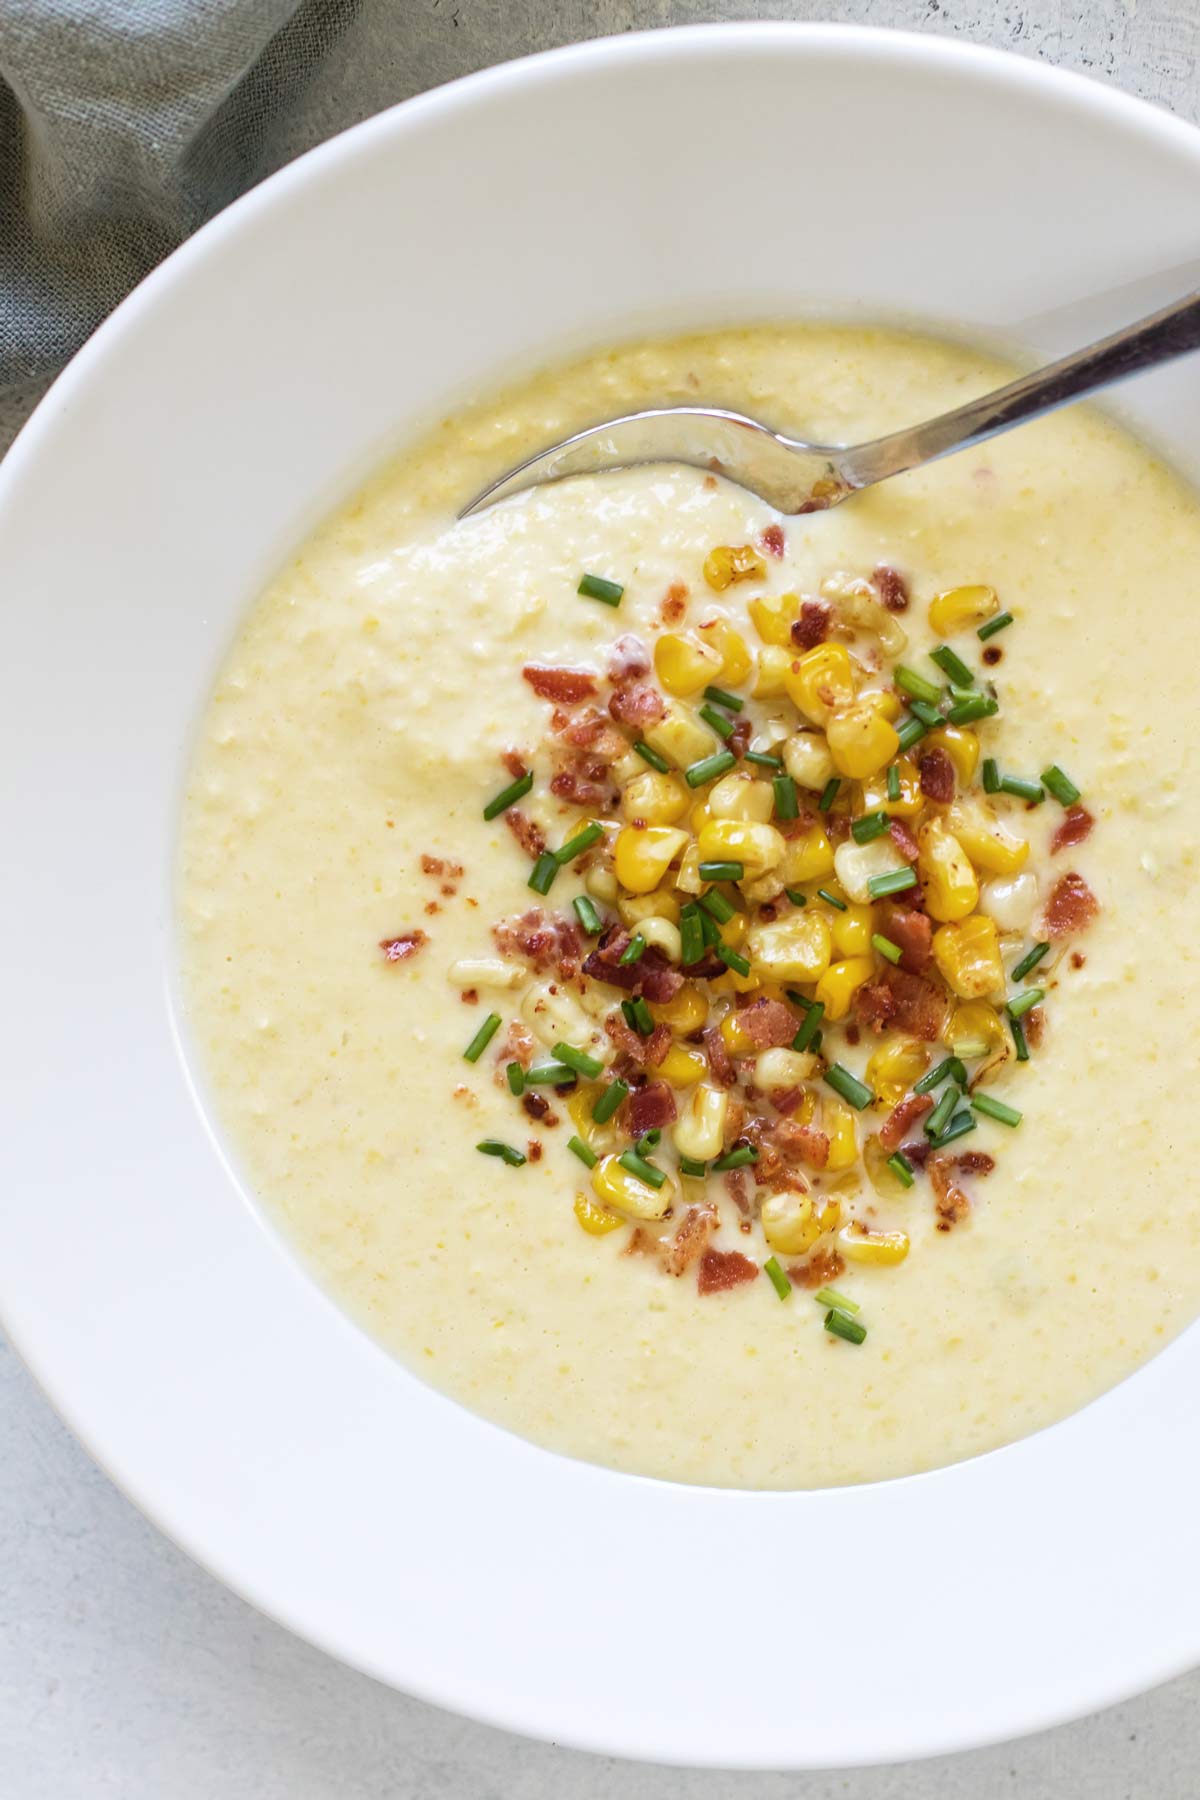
[528, 211]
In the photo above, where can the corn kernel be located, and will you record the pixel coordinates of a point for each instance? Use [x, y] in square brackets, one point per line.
[895, 1066]
[555, 1016]
[684, 663]
[1010, 899]
[757, 847]
[663, 934]
[985, 838]
[837, 1121]
[728, 563]
[683, 1066]
[740, 796]
[821, 682]
[962, 609]
[961, 746]
[794, 948]
[857, 603]
[852, 930]
[840, 982]
[737, 1039]
[968, 955]
[771, 675]
[951, 890]
[685, 1012]
[655, 799]
[730, 645]
[808, 857]
[662, 903]
[618, 1187]
[700, 1131]
[861, 741]
[976, 1029]
[828, 1211]
[596, 1220]
[807, 760]
[679, 735]
[601, 883]
[642, 857]
[875, 792]
[600, 1138]
[862, 1245]
[884, 1180]
[775, 1071]
[857, 864]
[773, 616]
[789, 1223]
[487, 972]
[687, 878]
[733, 931]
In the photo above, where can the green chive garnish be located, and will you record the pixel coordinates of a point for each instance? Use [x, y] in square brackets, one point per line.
[787, 804]
[708, 927]
[717, 721]
[721, 871]
[718, 906]
[691, 935]
[516, 1079]
[550, 1074]
[991, 775]
[1019, 1039]
[951, 1067]
[1060, 785]
[829, 794]
[901, 1168]
[1030, 960]
[763, 760]
[482, 1038]
[506, 1153]
[507, 796]
[649, 1140]
[708, 768]
[995, 1109]
[960, 1124]
[838, 1325]
[1022, 790]
[952, 665]
[583, 1151]
[848, 1086]
[583, 840]
[589, 919]
[579, 1060]
[940, 1115]
[894, 882]
[721, 698]
[595, 587]
[893, 782]
[738, 1158]
[689, 1166]
[828, 1296]
[544, 870]
[928, 714]
[796, 897]
[885, 947]
[652, 757]
[803, 1039]
[869, 827]
[609, 1101]
[832, 900]
[634, 950]
[909, 733]
[645, 1171]
[775, 1275]
[993, 626]
[642, 1020]
[984, 707]
[1018, 1007]
[732, 960]
[916, 686]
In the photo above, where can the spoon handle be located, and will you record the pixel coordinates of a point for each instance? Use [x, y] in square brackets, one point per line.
[1156, 339]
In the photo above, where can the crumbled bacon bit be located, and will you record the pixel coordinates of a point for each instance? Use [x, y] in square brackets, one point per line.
[536, 1105]
[903, 839]
[950, 1202]
[992, 654]
[902, 1118]
[674, 603]
[642, 1243]
[566, 687]
[736, 1188]
[916, 1152]
[722, 1269]
[852, 1032]
[772, 540]
[649, 1108]
[518, 1046]
[402, 946]
[515, 763]
[891, 587]
[1077, 959]
[470, 997]
[802, 1141]
[767, 1023]
[1071, 907]
[660, 982]
[786, 1100]
[837, 827]
[811, 627]
[645, 1052]
[590, 730]
[739, 738]
[975, 1162]
[912, 934]
[535, 1150]
[723, 1071]
[691, 1240]
[909, 1002]
[431, 906]
[638, 704]
[527, 831]
[582, 783]
[817, 1270]
[628, 660]
[1077, 822]
[547, 940]
[1035, 1025]
[432, 865]
[937, 775]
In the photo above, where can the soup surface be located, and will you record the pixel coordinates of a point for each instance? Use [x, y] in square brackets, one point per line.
[350, 921]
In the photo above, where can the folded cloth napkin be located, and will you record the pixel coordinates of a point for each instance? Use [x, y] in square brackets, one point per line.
[124, 124]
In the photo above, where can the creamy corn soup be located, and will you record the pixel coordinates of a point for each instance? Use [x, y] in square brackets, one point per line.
[711, 992]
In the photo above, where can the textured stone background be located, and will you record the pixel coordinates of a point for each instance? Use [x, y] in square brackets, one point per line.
[124, 1670]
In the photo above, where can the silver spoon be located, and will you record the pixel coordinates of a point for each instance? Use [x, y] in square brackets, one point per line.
[795, 477]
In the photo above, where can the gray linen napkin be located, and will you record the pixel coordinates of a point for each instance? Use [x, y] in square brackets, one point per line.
[124, 124]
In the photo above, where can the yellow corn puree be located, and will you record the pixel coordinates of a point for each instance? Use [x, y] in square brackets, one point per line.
[336, 803]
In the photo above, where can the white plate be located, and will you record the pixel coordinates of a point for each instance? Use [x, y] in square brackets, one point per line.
[693, 177]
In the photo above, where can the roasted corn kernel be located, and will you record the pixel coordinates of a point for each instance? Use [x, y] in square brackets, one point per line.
[837, 1121]
[962, 609]
[740, 796]
[857, 603]
[728, 563]
[1010, 899]
[756, 846]
[616, 1186]
[771, 673]
[596, 1220]
[807, 760]
[680, 736]
[655, 799]
[968, 955]
[773, 616]
[682, 1066]
[875, 791]
[862, 1245]
[700, 1131]
[861, 740]
[661, 903]
[731, 647]
[821, 682]
[857, 864]
[685, 1012]
[642, 857]
[794, 948]
[808, 856]
[840, 982]
[951, 890]
[986, 838]
[777, 1071]
[684, 663]
[852, 930]
[975, 1029]
[789, 1223]
[960, 745]
[895, 1066]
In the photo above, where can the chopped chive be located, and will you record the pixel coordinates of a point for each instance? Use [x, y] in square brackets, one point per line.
[652, 757]
[609, 1101]
[506, 1153]
[824, 894]
[787, 804]
[763, 760]
[909, 733]
[740, 1157]
[993, 626]
[590, 921]
[689, 1166]
[723, 699]
[708, 927]
[645, 1171]
[1019, 1039]
[545, 869]
[718, 906]
[516, 1079]
[828, 1296]
[642, 1020]
[1030, 961]
[1018, 1007]
[901, 1168]
[629, 1014]
[775, 1275]
[869, 827]
[940, 1115]
[962, 693]
[482, 1038]
[583, 840]
[583, 1151]
[952, 1066]
[721, 871]
[691, 935]
[829, 794]
[731, 959]
[506, 797]
[803, 1039]
[952, 665]
[1023, 790]
[967, 711]
[915, 686]
[995, 1109]
[634, 950]
[838, 1325]
[848, 1086]
[815, 1046]
[708, 768]
[550, 1074]
[595, 587]
[991, 775]
[894, 882]
[579, 1060]
[796, 897]
[716, 721]
[885, 947]
[893, 782]
[1060, 785]
[960, 1124]
[649, 1140]
[927, 713]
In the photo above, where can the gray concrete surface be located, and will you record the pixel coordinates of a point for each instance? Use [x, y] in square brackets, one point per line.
[124, 1670]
